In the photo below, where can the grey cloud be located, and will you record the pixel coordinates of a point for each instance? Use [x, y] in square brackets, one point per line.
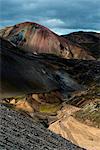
[63, 15]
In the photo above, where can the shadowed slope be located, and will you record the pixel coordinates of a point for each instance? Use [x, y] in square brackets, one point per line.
[23, 73]
[30, 73]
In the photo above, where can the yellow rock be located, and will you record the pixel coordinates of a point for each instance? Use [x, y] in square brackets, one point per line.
[24, 105]
[13, 101]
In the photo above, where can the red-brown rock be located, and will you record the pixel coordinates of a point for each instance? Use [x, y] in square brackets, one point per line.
[39, 39]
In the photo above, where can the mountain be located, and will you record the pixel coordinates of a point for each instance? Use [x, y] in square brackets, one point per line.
[36, 38]
[90, 41]
[41, 80]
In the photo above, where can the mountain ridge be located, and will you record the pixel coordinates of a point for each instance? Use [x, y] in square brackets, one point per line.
[39, 39]
[90, 41]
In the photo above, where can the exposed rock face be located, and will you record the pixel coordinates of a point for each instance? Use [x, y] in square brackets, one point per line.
[18, 132]
[90, 41]
[39, 39]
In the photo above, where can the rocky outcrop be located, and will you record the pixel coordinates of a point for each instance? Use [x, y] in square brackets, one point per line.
[90, 41]
[35, 38]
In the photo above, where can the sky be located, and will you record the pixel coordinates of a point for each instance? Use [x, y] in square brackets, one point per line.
[61, 16]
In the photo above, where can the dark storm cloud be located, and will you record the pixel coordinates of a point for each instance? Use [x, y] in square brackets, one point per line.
[64, 15]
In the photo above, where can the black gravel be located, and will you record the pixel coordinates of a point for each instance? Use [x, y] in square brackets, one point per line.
[20, 132]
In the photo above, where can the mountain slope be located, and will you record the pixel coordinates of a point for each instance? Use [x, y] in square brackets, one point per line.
[90, 41]
[35, 38]
[33, 72]
[51, 72]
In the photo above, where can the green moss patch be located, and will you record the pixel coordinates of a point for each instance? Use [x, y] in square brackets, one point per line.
[50, 108]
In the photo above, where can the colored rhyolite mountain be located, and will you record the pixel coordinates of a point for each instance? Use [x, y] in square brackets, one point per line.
[39, 39]
[90, 41]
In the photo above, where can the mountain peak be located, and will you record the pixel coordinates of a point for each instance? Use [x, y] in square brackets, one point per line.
[36, 38]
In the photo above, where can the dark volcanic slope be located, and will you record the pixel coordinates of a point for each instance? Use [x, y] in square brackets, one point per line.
[18, 132]
[25, 72]
[90, 41]
[22, 73]
[33, 37]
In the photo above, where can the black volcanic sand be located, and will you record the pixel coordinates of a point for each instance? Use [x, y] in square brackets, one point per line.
[18, 132]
